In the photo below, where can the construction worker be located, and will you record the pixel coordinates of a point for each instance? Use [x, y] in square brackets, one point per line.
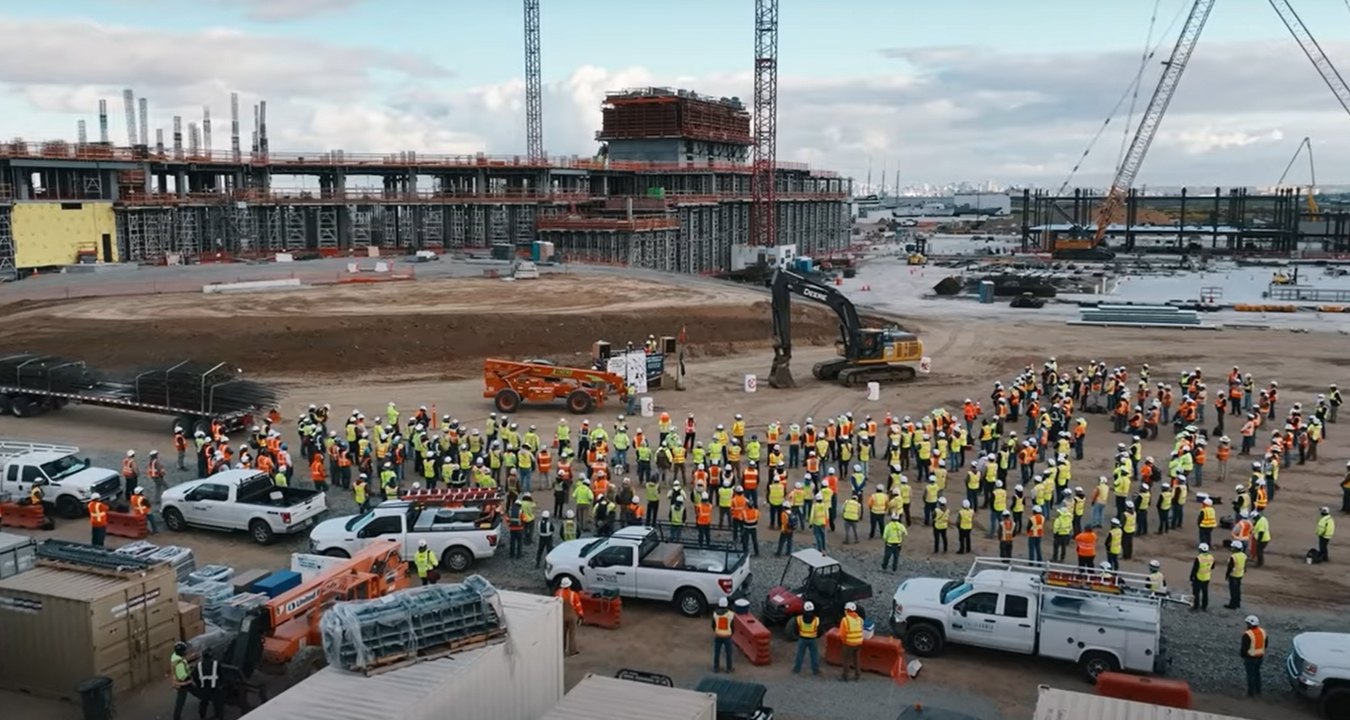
[154, 469]
[180, 445]
[141, 506]
[528, 511]
[180, 677]
[1035, 531]
[131, 475]
[1086, 544]
[98, 519]
[1129, 525]
[851, 632]
[546, 531]
[1115, 544]
[703, 510]
[1237, 568]
[1345, 490]
[1157, 583]
[852, 514]
[787, 526]
[572, 614]
[721, 623]
[808, 630]
[1326, 528]
[820, 519]
[207, 686]
[941, 520]
[515, 525]
[359, 493]
[1207, 520]
[1260, 536]
[1007, 530]
[426, 562]
[750, 528]
[1201, 571]
[725, 495]
[965, 524]
[1253, 652]
[876, 508]
[569, 526]
[893, 536]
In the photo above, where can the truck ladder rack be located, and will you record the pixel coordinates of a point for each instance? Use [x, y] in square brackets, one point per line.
[454, 496]
[1120, 583]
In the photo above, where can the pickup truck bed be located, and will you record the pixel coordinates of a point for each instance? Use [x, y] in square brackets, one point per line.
[289, 496]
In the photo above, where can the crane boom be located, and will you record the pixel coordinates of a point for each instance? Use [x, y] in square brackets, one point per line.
[1330, 75]
[1153, 114]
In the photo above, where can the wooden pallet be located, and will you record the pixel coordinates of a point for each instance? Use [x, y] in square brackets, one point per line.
[402, 660]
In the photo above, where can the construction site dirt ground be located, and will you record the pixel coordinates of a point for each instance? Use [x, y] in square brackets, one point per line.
[408, 342]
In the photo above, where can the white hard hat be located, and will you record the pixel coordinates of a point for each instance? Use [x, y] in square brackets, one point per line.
[809, 606]
[721, 602]
[1154, 564]
[1237, 545]
[1106, 566]
[94, 496]
[1252, 620]
[544, 514]
[131, 453]
[850, 607]
[1204, 547]
[565, 582]
[138, 490]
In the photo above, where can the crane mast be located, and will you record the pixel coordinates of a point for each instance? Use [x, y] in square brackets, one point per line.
[534, 87]
[763, 208]
[1153, 114]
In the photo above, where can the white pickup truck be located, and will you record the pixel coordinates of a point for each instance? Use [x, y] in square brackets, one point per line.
[67, 481]
[1319, 669]
[242, 500]
[1103, 623]
[637, 563]
[458, 535]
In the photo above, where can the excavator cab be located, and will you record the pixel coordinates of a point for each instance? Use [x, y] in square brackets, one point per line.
[877, 345]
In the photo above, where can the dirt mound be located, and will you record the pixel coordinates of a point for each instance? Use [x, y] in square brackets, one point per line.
[392, 342]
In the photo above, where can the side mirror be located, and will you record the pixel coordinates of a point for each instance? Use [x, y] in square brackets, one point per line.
[962, 610]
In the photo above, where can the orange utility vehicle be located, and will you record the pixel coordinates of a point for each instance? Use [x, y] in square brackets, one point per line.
[509, 382]
[291, 641]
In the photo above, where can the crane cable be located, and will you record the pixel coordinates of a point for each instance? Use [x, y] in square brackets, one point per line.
[1134, 97]
[1131, 89]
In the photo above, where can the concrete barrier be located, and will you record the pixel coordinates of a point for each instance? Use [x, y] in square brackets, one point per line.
[252, 286]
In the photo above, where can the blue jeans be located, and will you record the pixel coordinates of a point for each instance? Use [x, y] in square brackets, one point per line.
[818, 532]
[1098, 511]
[807, 646]
[1034, 550]
[720, 644]
[525, 475]
[621, 457]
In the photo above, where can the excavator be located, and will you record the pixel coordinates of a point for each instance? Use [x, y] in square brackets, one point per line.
[865, 354]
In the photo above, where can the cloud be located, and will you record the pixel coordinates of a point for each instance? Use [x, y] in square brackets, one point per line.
[283, 10]
[937, 113]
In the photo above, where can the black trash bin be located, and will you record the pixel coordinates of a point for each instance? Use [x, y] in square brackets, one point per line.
[96, 697]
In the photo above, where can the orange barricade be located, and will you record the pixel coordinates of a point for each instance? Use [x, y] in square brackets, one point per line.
[601, 611]
[878, 654]
[30, 517]
[750, 635]
[1158, 691]
[127, 525]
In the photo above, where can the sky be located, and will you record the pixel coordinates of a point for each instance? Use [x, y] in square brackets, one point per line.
[958, 90]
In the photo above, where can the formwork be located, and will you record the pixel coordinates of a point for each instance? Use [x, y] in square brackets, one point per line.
[62, 626]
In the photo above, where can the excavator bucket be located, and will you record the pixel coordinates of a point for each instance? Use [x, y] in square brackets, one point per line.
[780, 375]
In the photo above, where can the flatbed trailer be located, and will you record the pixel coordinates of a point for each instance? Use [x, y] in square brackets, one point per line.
[29, 387]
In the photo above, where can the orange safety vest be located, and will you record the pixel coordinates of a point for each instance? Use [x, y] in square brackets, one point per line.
[1257, 638]
[1037, 527]
[571, 598]
[1242, 530]
[545, 461]
[98, 514]
[703, 514]
[738, 506]
[128, 467]
[751, 479]
[851, 628]
[1087, 544]
[751, 516]
[179, 442]
[1006, 531]
[139, 505]
[722, 623]
[316, 469]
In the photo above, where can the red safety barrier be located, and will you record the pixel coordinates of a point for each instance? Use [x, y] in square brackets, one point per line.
[128, 525]
[752, 638]
[30, 517]
[601, 611]
[878, 654]
[1158, 691]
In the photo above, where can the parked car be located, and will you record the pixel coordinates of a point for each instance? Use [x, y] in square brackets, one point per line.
[67, 480]
[640, 562]
[242, 500]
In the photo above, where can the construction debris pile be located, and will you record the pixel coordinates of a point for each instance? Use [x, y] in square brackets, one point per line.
[406, 625]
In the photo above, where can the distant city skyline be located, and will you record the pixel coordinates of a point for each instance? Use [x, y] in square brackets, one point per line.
[1016, 95]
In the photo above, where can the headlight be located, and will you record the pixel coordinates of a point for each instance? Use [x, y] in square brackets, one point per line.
[1309, 668]
[548, 568]
[897, 610]
[84, 494]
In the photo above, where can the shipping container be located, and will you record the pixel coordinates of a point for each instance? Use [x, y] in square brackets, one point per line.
[73, 625]
[519, 679]
[18, 553]
[1053, 704]
[605, 698]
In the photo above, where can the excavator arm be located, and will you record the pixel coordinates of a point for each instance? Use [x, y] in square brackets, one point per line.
[786, 284]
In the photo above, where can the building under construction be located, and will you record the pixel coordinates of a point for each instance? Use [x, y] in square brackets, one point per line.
[668, 190]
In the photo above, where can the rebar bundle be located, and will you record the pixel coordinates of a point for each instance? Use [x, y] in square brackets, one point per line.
[89, 556]
[364, 634]
[212, 389]
[48, 372]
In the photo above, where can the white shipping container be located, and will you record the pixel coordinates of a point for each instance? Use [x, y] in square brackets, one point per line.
[1053, 704]
[519, 679]
[605, 698]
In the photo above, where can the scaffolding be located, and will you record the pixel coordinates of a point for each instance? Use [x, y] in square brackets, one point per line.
[389, 226]
[242, 228]
[295, 229]
[7, 259]
[188, 236]
[362, 219]
[433, 227]
[328, 228]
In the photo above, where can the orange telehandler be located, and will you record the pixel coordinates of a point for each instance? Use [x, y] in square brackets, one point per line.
[509, 382]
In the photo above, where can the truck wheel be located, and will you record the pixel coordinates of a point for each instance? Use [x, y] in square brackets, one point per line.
[261, 532]
[507, 400]
[200, 425]
[184, 422]
[1095, 663]
[456, 559]
[924, 640]
[337, 553]
[580, 402]
[691, 602]
[1335, 703]
[68, 507]
[174, 520]
[20, 407]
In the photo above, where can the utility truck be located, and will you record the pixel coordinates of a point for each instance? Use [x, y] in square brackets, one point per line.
[1319, 669]
[458, 525]
[1104, 621]
[647, 562]
[67, 481]
[242, 500]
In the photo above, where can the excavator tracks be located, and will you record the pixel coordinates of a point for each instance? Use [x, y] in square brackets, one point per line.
[863, 374]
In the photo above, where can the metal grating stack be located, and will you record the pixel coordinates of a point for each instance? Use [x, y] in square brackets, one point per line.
[371, 633]
[182, 559]
[75, 553]
[139, 549]
[211, 595]
[232, 612]
[1139, 316]
[211, 573]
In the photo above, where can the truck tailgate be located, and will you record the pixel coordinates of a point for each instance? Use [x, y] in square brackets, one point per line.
[308, 510]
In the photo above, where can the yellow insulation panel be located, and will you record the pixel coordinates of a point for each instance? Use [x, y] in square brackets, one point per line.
[54, 233]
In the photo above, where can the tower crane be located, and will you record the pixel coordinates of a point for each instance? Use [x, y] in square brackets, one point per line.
[763, 208]
[534, 87]
[1173, 67]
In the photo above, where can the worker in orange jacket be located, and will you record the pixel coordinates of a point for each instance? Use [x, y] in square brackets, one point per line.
[572, 614]
[98, 519]
[1087, 548]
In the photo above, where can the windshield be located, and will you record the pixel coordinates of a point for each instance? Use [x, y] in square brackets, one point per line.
[63, 467]
[360, 521]
[591, 546]
[954, 590]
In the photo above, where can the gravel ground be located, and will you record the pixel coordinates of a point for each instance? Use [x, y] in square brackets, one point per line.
[1203, 646]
